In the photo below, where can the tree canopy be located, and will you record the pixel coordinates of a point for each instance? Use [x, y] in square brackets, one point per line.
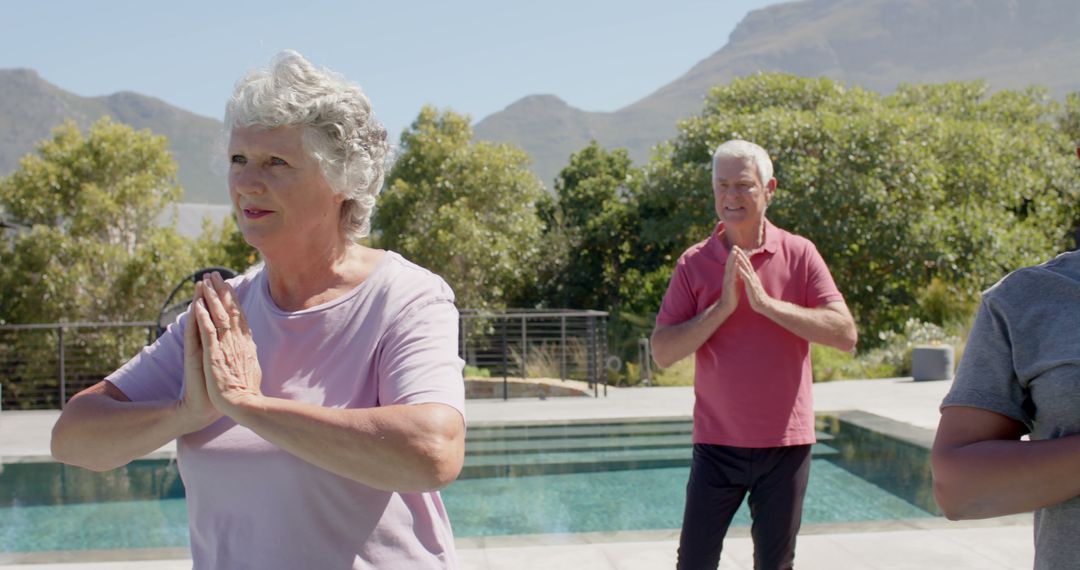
[591, 226]
[91, 245]
[946, 182]
[465, 210]
[94, 249]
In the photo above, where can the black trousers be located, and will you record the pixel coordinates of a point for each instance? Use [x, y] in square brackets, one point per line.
[720, 476]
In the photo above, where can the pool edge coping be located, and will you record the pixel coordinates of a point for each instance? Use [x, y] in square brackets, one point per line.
[527, 540]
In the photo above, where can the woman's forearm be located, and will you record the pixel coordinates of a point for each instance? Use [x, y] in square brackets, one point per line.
[100, 431]
[402, 448]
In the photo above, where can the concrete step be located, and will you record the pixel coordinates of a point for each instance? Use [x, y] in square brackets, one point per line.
[508, 433]
[554, 461]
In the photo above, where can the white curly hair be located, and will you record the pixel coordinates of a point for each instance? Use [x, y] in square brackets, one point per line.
[340, 130]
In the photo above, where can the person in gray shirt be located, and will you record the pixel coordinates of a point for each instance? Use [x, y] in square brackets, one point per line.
[1020, 374]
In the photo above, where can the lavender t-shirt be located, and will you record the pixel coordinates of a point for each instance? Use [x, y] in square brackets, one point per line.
[391, 340]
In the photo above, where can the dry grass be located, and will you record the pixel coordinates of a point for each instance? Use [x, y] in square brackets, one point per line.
[544, 360]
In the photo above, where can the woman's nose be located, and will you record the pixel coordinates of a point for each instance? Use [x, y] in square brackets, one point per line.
[246, 180]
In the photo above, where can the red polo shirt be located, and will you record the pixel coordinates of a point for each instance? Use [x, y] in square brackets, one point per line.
[752, 380]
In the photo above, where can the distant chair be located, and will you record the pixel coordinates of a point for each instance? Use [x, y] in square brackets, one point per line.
[177, 302]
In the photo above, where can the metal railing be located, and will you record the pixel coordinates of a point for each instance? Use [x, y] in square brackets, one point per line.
[522, 343]
[645, 360]
[43, 365]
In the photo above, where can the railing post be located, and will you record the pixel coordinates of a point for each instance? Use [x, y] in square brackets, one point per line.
[524, 350]
[63, 373]
[645, 360]
[502, 329]
[462, 351]
[601, 339]
[562, 348]
[590, 340]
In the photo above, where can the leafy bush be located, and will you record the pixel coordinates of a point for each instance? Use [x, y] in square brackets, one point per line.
[465, 210]
[832, 364]
[679, 374]
[895, 348]
[945, 304]
[476, 372]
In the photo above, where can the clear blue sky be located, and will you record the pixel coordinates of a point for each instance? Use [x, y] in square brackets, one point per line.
[474, 56]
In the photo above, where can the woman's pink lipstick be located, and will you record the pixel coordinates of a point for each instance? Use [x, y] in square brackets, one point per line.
[255, 213]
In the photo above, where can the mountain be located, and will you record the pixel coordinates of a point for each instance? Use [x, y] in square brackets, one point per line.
[875, 44]
[30, 107]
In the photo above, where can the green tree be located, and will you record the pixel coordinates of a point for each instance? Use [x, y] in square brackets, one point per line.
[92, 204]
[465, 210]
[592, 233]
[595, 220]
[1069, 121]
[224, 245]
[934, 181]
[94, 248]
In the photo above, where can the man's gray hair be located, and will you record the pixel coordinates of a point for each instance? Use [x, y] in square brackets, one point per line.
[745, 149]
[339, 128]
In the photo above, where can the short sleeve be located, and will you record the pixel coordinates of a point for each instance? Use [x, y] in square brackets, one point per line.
[986, 377]
[157, 371]
[679, 304]
[820, 287]
[418, 359]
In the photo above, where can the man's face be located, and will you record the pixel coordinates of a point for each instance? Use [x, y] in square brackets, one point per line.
[741, 196]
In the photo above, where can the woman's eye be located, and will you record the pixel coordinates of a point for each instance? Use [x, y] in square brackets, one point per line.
[237, 159]
[275, 161]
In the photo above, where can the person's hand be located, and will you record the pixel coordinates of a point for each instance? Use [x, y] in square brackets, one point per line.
[230, 361]
[195, 405]
[759, 299]
[729, 295]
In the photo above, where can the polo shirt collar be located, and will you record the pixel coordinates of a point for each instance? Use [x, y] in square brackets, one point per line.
[772, 240]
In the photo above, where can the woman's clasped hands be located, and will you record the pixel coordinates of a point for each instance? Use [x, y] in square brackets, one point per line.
[221, 366]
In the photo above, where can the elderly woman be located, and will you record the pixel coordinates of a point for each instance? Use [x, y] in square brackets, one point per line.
[316, 400]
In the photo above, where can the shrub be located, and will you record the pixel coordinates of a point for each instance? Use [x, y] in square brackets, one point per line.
[476, 372]
[895, 348]
[679, 374]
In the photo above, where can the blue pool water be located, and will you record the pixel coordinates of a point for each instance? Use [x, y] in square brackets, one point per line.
[605, 477]
[517, 480]
[640, 500]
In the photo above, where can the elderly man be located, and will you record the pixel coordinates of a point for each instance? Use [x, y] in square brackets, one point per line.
[748, 301]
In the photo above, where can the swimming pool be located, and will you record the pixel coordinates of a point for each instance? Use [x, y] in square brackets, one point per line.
[533, 479]
[632, 476]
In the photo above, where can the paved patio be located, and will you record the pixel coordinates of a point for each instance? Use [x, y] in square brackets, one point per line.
[901, 407]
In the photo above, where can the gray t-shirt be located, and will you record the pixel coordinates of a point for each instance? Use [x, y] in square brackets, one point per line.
[1022, 360]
